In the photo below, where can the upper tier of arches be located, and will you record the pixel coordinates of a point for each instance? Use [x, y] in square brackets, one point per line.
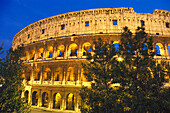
[94, 21]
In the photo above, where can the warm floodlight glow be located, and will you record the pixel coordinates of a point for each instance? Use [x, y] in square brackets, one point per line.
[92, 60]
[120, 59]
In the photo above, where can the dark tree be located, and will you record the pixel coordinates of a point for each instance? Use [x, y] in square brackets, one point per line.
[133, 68]
[10, 92]
[101, 69]
[142, 77]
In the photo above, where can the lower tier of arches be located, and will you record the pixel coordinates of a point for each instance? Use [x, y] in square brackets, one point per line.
[57, 98]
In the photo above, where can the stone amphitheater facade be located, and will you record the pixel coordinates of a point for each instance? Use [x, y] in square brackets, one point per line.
[56, 46]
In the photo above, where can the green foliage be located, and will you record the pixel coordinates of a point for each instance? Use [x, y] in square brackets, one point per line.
[140, 77]
[10, 92]
[101, 70]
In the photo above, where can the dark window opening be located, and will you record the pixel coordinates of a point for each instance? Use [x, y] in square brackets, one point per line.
[157, 33]
[87, 23]
[41, 56]
[114, 22]
[142, 23]
[62, 27]
[19, 40]
[43, 31]
[116, 47]
[73, 53]
[169, 49]
[167, 25]
[59, 53]
[28, 36]
[51, 55]
[158, 52]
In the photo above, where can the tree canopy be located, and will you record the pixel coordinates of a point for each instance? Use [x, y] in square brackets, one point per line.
[138, 76]
[10, 91]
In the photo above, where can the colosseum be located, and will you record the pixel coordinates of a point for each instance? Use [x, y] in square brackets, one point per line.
[56, 46]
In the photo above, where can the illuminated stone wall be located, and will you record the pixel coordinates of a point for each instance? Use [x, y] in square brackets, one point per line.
[56, 46]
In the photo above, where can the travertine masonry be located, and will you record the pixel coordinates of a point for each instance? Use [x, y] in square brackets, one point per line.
[56, 46]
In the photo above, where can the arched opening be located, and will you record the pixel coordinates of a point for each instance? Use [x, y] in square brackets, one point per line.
[45, 99]
[70, 74]
[37, 74]
[26, 96]
[47, 74]
[83, 78]
[86, 48]
[70, 102]
[159, 49]
[58, 74]
[56, 101]
[40, 53]
[32, 54]
[60, 51]
[73, 49]
[49, 52]
[169, 49]
[116, 46]
[35, 98]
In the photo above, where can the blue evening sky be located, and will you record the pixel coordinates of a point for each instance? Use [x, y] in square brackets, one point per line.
[17, 14]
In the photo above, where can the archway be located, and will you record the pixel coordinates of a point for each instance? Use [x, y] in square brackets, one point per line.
[26, 96]
[56, 101]
[83, 77]
[49, 52]
[70, 102]
[159, 49]
[58, 74]
[47, 74]
[73, 49]
[45, 99]
[86, 48]
[35, 98]
[40, 53]
[60, 51]
[32, 54]
[70, 74]
[116, 46]
[169, 49]
[37, 74]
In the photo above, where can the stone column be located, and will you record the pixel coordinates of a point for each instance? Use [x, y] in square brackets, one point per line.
[77, 103]
[64, 102]
[39, 99]
[41, 76]
[30, 97]
[79, 51]
[44, 52]
[55, 51]
[32, 74]
[50, 100]
[166, 50]
[52, 74]
[63, 107]
[66, 52]
[64, 75]
[78, 75]
[36, 52]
